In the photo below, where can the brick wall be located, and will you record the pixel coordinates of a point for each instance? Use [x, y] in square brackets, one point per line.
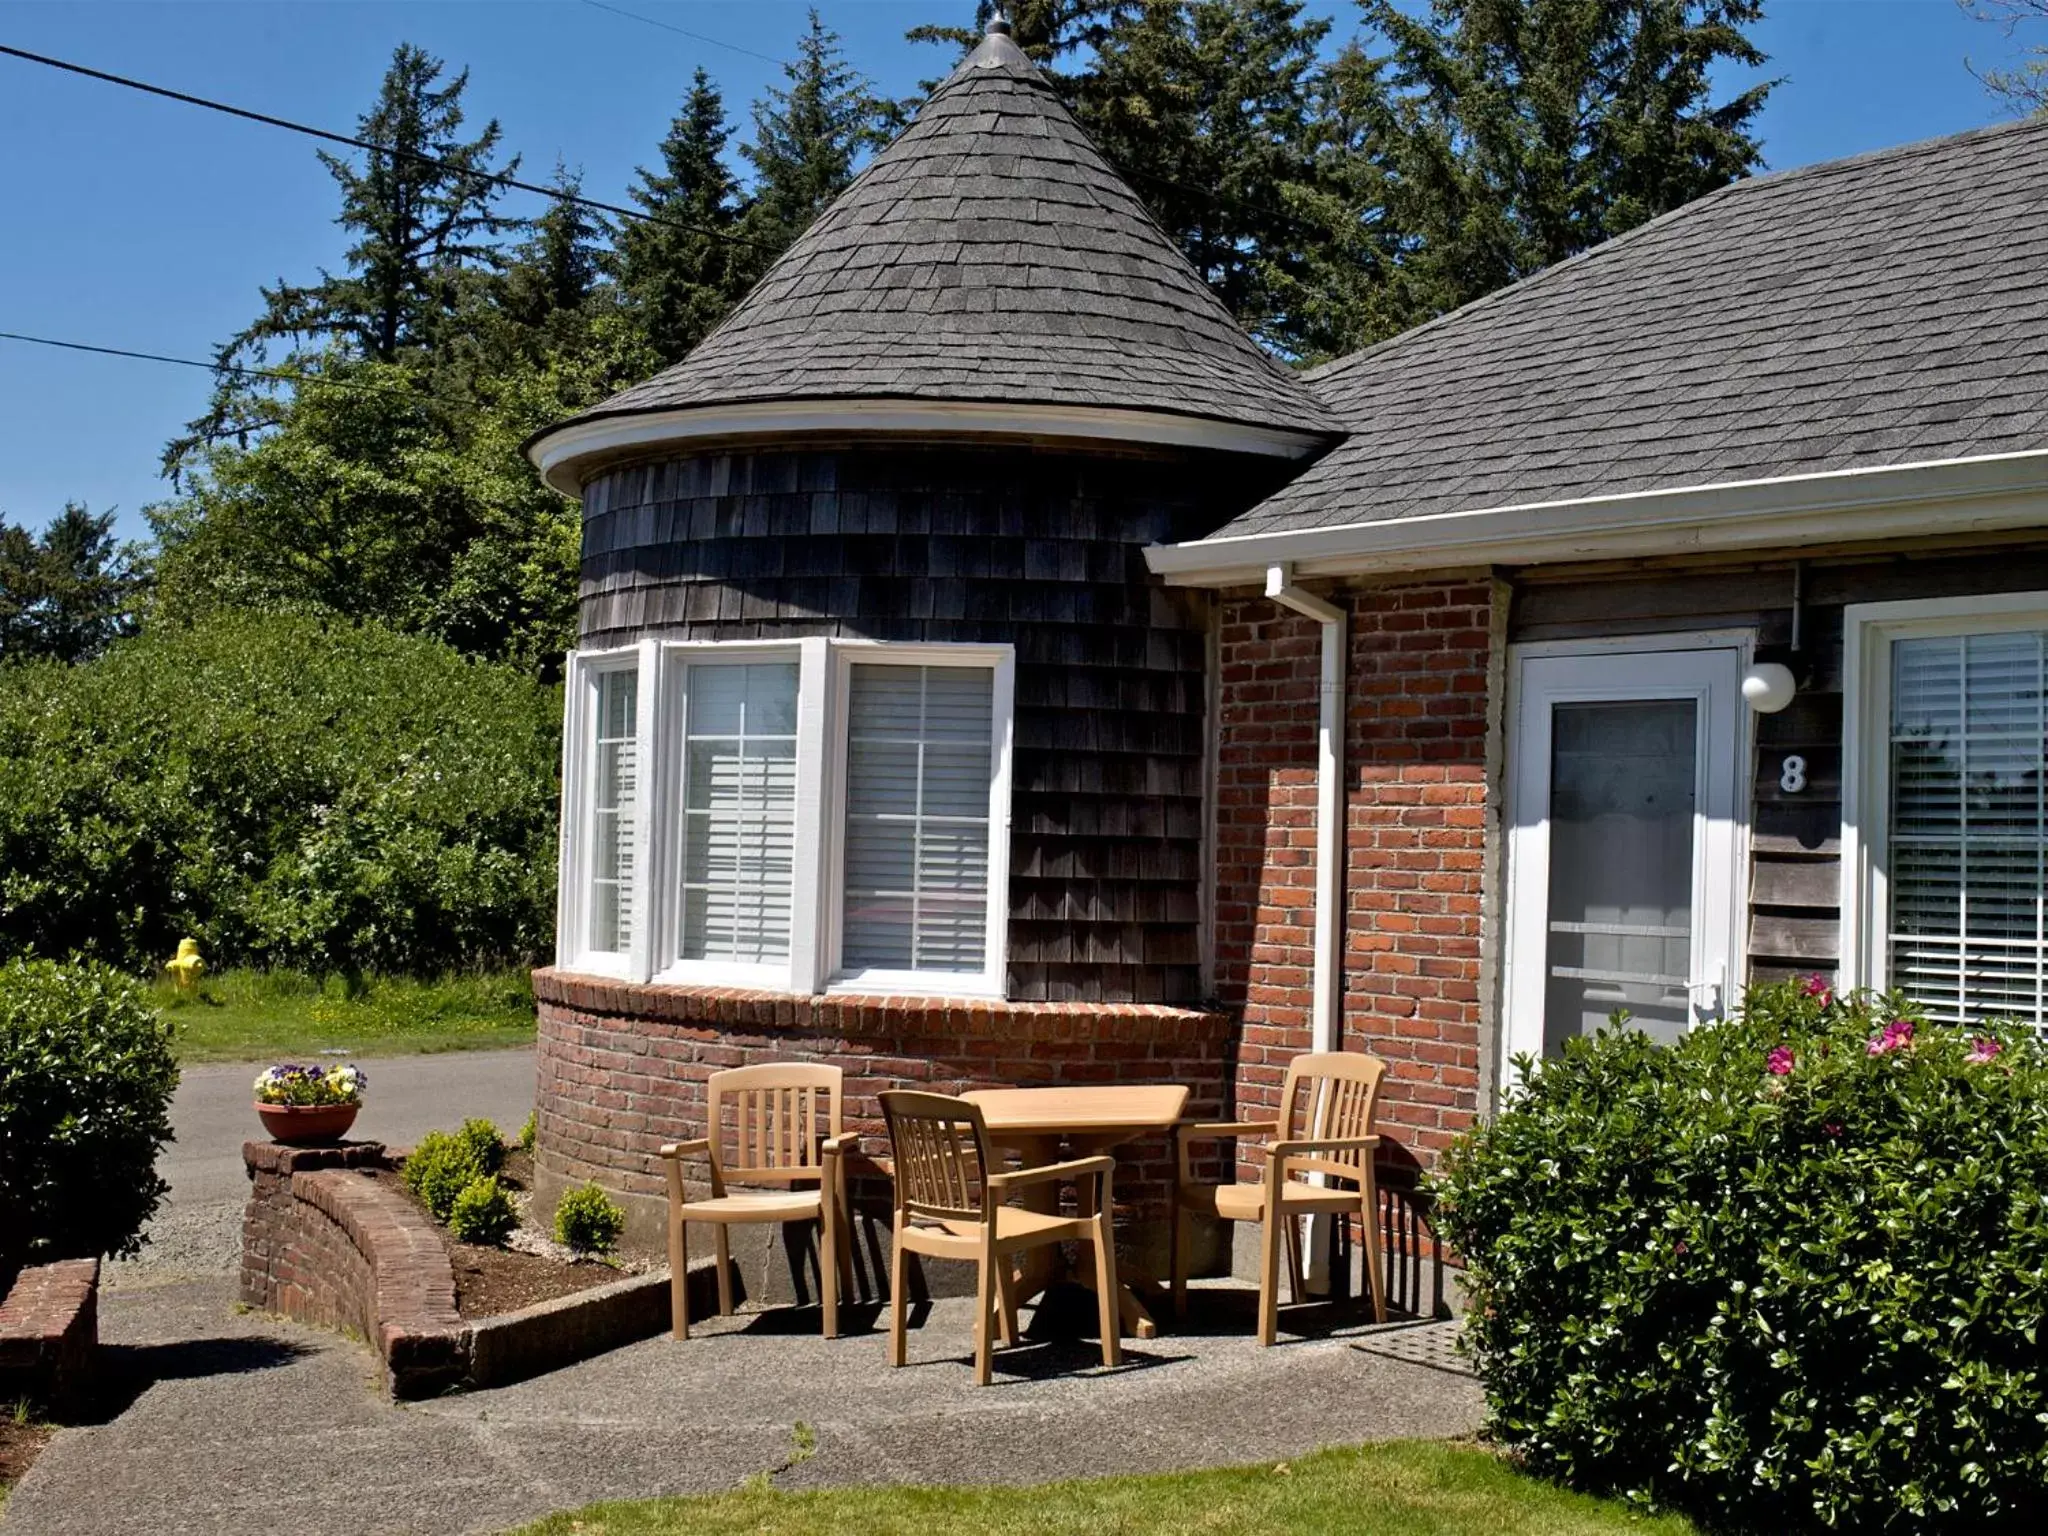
[49, 1333]
[1415, 835]
[324, 1244]
[622, 1067]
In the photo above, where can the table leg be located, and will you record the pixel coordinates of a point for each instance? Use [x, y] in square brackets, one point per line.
[1043, 1267]
[1131, 1311]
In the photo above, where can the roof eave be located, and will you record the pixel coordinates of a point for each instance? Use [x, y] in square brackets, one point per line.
[564, 454]
[1948, 496]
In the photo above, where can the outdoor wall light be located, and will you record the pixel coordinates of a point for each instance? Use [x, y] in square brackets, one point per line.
[1768, 687]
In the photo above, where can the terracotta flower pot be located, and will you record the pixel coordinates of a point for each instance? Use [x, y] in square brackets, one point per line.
[307, 1125]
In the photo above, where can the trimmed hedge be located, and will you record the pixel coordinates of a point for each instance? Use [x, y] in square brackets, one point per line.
[86, 1078]
[1790, 1271]
[290, 792]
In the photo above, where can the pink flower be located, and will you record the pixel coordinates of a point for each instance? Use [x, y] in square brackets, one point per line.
[1897, 1036]
[1780, 1062]
[1679, 1248]
[1982, 1050]
[1831, 1128]
[1816, 986]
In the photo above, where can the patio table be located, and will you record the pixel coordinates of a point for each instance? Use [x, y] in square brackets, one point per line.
[1043, 1125]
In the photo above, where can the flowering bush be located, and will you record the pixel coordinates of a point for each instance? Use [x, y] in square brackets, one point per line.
[1789, 1270]
[292, 1084]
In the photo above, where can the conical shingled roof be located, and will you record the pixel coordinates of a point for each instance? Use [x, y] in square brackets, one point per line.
[990, 254]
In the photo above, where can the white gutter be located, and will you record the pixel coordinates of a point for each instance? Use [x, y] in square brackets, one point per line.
[1326, 1001]
[1992, 493]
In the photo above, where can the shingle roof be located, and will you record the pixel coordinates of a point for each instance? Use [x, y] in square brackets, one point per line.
[989, 254]
[1885, 310]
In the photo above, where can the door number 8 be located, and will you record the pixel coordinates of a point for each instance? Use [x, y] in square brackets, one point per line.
[1792, 775]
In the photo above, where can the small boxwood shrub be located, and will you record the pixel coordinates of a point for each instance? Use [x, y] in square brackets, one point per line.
[438, 1170]
[587, 1221]
[86, 1077]
[486, 1146]
[483, 1213]
[1791, 1270]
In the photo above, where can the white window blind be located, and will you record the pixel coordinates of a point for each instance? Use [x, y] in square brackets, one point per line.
[739, 812]
[614, 809]
[1968, 834]
[918, 766]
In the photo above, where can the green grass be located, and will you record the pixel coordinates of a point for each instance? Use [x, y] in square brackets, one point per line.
[273, 1015]
[1408, 1489]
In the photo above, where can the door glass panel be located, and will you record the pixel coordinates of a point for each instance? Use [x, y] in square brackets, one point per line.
[1622, 785]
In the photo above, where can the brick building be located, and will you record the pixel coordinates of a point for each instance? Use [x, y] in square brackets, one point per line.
[995, 669]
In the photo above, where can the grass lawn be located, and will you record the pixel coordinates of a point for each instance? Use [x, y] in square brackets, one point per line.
[275, 1015]
[1412, 1488]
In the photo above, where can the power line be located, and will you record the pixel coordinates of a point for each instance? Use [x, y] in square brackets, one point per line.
[284, 375]
[490, 177]
[668, 26]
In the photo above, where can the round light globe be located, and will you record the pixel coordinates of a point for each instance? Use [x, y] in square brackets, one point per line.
[1768, 687]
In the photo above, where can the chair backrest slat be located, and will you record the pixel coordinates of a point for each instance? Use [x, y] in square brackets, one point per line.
[941, 1150]
[775, 1133]
[1331, 1095]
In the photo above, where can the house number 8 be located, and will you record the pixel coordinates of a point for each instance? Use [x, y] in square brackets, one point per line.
[1792, 777]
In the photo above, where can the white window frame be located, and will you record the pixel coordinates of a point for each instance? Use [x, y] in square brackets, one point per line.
[824, 676]
[585, 672]
[989, 981]
[1868, 630]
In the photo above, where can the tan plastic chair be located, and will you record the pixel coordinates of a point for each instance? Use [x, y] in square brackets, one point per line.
[786, 1131]
[949, 1206]
[1327, 1108]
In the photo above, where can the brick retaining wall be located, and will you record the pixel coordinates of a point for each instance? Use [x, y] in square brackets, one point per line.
[49, 1333]
[622, 1068]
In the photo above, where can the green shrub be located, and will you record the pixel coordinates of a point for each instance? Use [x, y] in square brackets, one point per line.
[528, 1131]
[486, 1146]
[1789, 1270]
[587, 1221]
[332, 797]
[439, 1169]
[86, 1078]
[482, 1213]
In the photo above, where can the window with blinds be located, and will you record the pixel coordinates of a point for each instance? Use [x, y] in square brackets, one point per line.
[738, 812]
[919, 763]
[614, 808]
[1968, 833]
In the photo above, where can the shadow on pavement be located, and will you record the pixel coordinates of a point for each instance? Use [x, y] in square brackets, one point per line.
[126, 1371]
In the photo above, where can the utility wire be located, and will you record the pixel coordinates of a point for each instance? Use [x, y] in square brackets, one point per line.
[282, 374]
[491, 177]
[669, 26]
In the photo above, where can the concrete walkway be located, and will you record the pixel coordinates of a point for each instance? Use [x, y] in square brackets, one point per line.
[219, 1422]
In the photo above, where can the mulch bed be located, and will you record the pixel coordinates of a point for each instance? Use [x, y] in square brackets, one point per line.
[489, 1282]
[19, 1445]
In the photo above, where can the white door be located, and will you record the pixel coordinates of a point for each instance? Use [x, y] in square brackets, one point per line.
[1624, 841]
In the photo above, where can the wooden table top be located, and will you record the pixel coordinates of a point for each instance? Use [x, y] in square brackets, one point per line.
[1090, 1111]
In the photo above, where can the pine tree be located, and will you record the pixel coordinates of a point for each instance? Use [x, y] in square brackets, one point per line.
[1211, 110]
[809, 139]
[1516, 133]
[685, 265]
[66, 594]
[556, 268]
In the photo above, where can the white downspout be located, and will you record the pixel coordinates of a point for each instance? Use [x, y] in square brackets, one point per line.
[1326, 997]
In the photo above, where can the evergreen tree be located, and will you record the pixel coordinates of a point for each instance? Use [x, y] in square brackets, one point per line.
[66, 593]
[1047, 30]
[809, 139]
[685, 264]
[1516, 133]
[1212, 110]
[556, 268]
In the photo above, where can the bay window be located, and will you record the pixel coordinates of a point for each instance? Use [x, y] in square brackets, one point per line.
[1948, 806]
[799, 816]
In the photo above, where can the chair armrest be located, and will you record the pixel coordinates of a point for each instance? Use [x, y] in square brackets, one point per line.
[1079, 1168]
[839, 1146]
[1286, 1149]
[701, 1147]
[1217, 1130]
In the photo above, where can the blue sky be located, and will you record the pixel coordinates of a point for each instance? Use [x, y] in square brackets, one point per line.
[139, 223]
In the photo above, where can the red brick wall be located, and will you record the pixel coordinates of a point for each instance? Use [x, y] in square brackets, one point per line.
[622, 1068]
[49, 1334]
[1415, 791]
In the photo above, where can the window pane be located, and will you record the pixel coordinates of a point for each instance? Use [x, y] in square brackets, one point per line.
[1968, 848]
[614, 810]
[739, 812]
[919, 763]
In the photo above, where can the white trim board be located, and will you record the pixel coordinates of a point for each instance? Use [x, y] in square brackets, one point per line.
[1952, 496]
[561, 454]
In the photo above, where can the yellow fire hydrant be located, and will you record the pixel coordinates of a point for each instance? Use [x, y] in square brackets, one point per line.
[187, 967]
